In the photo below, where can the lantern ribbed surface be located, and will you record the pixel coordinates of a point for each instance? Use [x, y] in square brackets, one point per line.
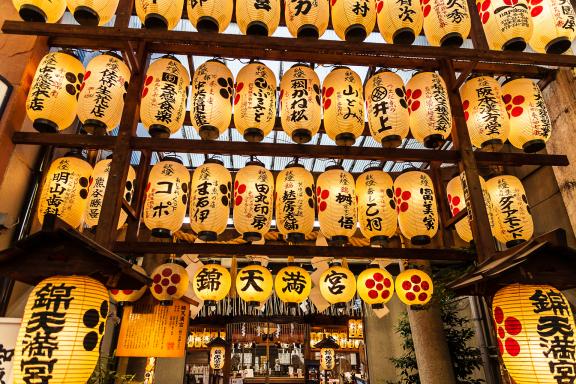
[337, 285]
[336, 197]
[254, 284]
[353, 20]
[212, 283]
[447, 23]
[258, 17]
[327, 359]
[217, 357]
[375, 286]
[507, 23]
[210, 15]
[40, 10]
[93, 12]
[399, 22]
[414, 287]
[159, 14]
[129, 295]
[293, 284]
[376, 206]
[169, 282]
[457, 202]
[554, 28]
[307, 18]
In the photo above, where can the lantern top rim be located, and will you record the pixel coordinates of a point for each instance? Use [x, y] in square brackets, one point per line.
[214, 161]
[114, 54]
[300, 65]
[255, 162]
[334, 167]
[216, 61]
[374, 168]
[69, 52]
[327, 342]
[410, 169]
[512, 78]
[172, 158]
[217, 342]
[294, 165]
[175, 261]
[338, 67]
[171, 57]
[381, 70]
[76, 153]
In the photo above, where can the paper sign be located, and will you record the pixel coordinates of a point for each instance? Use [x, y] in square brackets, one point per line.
[8, 333]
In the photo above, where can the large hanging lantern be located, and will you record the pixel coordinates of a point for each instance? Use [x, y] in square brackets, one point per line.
[485, 113]
[212, 283]
[295, 203]
[212, 94]
[253, 201]
[169, 282]
[210, 15]
[416, 206]
[336, 196]
[93, 13]
[101, 99]
[535, 329]
[512, 219]
[342, 95]
[446, 22]
[166, 197]
[375, 287]
[307, 18]
[53, 95]
[399, 22]
[254, 284]
[292, 284]
[62, 327]
[337, 285]
[429, 108]
[40, 11]
[159, 14]
[507, 23]
[258, 17]
[300, 99]
[414, 287]
[387, 109]
[530, 124]
[210, 194]
[255, 101]
[163, 104]
[353, 20]
[217, 353]
[554, 28]
[65, 189]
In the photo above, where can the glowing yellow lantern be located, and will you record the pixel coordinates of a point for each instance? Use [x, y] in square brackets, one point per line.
[387, 108]
[530, 124]
[429, 108]
[554, 28]
[300, 99]
[376, 206]
[52, 99]
[353, 20]
[307, 18]
[159, 14]
[254, 284]
[375, 287]
[258, 17]
[129, 295]
[255, 101]
[253, 201]
[212, 283]
[211, 104]
[40, 10]
[507, 23]
[485, 113]
[336, 197]
[166, 197]
[169, 282]
[399, 23]
[327, 359]
[163, 104]
[414, 287]
[337, 285]
[217, 353]
[65, 189]
[416, 206]
[62, 327]
[295, 203]
[457, 202]
[93, 12]
[342, 95]
[292, 284]
[446, 22]
[210, 15]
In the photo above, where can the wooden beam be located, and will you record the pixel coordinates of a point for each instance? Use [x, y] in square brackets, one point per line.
[444, 209]
[454, 219]
[138, 197]
[128, 209]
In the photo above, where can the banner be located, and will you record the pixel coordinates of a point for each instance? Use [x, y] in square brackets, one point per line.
[8, 334]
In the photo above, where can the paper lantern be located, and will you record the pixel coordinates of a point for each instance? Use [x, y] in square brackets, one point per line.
[327, 359]
[210, 194]
[507, 23]
[512, 219]
[306, 18]
[416, 206]
[414, 287]
[399, 22]
[102, 93]
[166, 197]
[457, 202]
[342, 95]
[40, 11]
[169, 282]
[253, 199]
[292, 284]
[163, 104]
[52, 99]
[376, 206]
[429, 108]
[353, 20]
[375, 287]
[336, 196]
[530, 124]
[337, 285]
[93, 12]
[485, 113]
[98, 183]
[535, 330]
[212, 283]
[300, 109]
[446, 22]
[210, 15]
[255, 101]
[159, 14]
[65, 190]
[258, 17]
[62, 327]
[212, 93]
[254, 284]
[217, 357]
[554, 25]
[387, 109]
[129, 295]
[295, 203]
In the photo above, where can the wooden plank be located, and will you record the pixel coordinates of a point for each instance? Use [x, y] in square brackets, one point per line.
[444, 209]
[138, 197]
[454, 219]
[64, 140]
[477, 30]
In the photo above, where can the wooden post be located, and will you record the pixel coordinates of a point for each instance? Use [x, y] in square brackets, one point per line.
[138, 197]
[446, 234]
[477, 33]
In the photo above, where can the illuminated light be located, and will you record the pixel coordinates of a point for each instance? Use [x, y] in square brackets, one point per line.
[399, 23]
[258, 17]
[254, 284]
[169, 282]
[375, 287]
[210, 15]
[159, 14]
[447, 23]
[507, 23]
[553, 22]
[414, 287]
[40, 11]
[93, 12]
[308, 19]
[337, 285]
[211, 283]
[293, 284]
[353, 20]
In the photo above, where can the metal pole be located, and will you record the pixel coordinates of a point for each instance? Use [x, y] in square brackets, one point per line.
[483, 340]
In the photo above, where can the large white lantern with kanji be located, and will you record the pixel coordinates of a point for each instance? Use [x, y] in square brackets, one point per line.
[353, 20]
[254, 284]
[258, 17]
[507, 23]
[337, 285]
[399, 22]
[447, 23]
[307, 18]
[554, 24]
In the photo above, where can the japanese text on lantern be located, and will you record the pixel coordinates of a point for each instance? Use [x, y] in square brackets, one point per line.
[205, 192]
[336, 282]
[540, 118]
[45, 82]
[262, 93]
[168, 93]
[169, 188]
[352, 104]
[299, 104]
[251, 277]
[428, 200]
[61, 189]
[261, 203]
[405, 10]
[97, 194]
[107, 81]
[508, 209]
[381, 104]
[201, 98]
[373, 221]
[295, 282]
[344, 198]
[303, 6]
[289, 204]
[443, 120]
[208, 279]
[488, 107]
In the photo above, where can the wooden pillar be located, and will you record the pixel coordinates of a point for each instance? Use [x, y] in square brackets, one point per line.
[444, 211]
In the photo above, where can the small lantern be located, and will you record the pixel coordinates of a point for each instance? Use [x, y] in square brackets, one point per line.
[457, 202]
[53, 95]
[295, 203]
[62, 327]
[416, 207]
[429, 108]
[307, 18]
[159, 14]
[255, 101]
[169, 282]
[300, 103]
[65, 189]
[327, 352]
[342, 95]
[210, 194]
[217, 353]
[337, 285]
[93, 13]
[375, 287]
[353, 20]
[446, 22]
[254, 284]
[129, 295]
[102, 93]
[40, 11]
[166, 197]
[212, 94]
[530, 124]
[253, 201]
[399, 22]
[336, 196]
[387, 109]
[376, 206]
[212, 283]
[414, 287]
[507, 23]
[485, 113]
[293, 284]
[554, 28]
[163, 104]
[210, 15]
[258, 17]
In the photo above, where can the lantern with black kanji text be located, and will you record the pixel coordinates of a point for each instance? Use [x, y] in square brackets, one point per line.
[217, 353]
[210, 15]
[40, 10]
[447, 23]
[337, 285]
[169, 282]
[292, 284]
[327, 359]
[507, 23]
[554, 24]
[307, 18]
[258, 17]
[375, 286]
[159, 14]
[353, 20]
[254, 284]
[92, 12]
[399, 22]
[414, 287]
[457, 202]
[62, 327]
[211, 283]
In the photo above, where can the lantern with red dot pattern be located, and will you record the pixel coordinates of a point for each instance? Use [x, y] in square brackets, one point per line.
[507, 23]
[129, 295]
[375, 286]
[337, 285]
[399, 22]
[553, 25]
[457, 202]
[169, 282]
[307, 19]
[446, 22]
[353, 20]
[414, 287]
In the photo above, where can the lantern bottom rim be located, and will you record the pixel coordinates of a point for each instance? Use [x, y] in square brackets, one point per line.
[452, 40]
[95, 127]
[420, 240]
[404, 36]
[558, 45]
[492, 145]
[356, 33]
[301, 135]
[208, 132]
[207, 235]
[392, 141]
[339, 240]
[513, 243]
[162, 233]
[534, 145]
[257, 28]
[308, 31]
[345, 139]
[434, 141]
[155, 21]
[253, 135]
[379, 240]
[210, 303]
[166, 303]
[86, 16]
[207, 24]
[417, 307]
[45, 126]
[252, 236]
[296, 237]
[378, 306]
[160, 131]
[517, 44]
[253, 303]
[29, 12]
